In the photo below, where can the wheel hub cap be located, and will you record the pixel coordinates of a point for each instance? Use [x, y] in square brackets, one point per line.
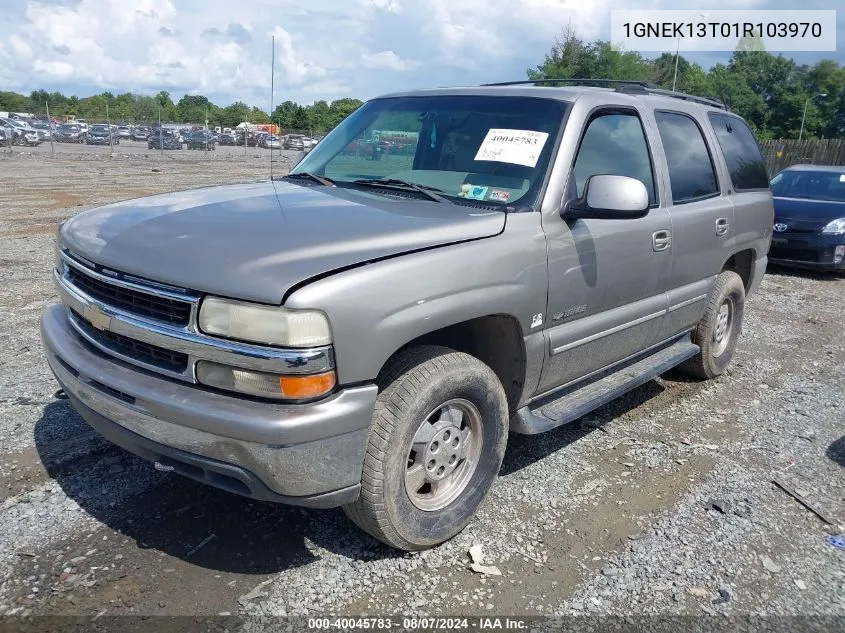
[722, 329]
[443, 455]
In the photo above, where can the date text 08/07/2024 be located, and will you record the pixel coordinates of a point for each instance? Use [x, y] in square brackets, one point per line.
[417, 624]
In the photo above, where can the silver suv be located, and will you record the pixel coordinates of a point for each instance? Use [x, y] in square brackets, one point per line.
[366, 331]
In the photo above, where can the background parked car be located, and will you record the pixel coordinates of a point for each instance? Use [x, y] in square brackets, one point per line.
[809, 226]
[271, 141]
[22, 133]
[164, 139]
[250, 139]
[101, 135]
[70, 133]
[141, 133]
[226, 138]
[123, 131]
[200, 140]
[293, 141]
[44, 129]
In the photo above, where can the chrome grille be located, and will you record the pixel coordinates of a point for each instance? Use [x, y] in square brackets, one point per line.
[145, 353]
[132, 301]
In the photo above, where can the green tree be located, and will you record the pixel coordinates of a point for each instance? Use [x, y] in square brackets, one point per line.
[236, 113]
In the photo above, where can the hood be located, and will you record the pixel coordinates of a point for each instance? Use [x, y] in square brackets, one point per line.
[255, 241]
[807, 215]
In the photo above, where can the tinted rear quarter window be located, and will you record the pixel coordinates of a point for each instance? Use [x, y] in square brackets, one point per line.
[691, 172]
[742, 154]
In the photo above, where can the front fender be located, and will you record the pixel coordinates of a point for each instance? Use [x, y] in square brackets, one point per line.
[377, 308]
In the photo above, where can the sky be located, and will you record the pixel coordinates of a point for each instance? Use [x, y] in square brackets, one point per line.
[325, 49]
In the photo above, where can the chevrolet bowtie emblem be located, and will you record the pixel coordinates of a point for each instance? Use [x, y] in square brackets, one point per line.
[97, 318]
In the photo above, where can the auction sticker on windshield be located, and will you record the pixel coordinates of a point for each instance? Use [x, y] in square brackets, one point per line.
[518, 147]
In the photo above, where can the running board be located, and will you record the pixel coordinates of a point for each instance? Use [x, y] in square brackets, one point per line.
[581, 399]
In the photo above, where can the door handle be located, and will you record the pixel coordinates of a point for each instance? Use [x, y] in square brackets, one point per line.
[722, 226]
[661, 240]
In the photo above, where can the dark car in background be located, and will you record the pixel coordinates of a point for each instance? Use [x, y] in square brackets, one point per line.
[70, 133]
[809, 225]
[200, 140]
[101, 135]
[226, 138]
[251, 140]
[164, 139]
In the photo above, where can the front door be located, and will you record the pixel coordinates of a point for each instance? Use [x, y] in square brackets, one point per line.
[607, 278]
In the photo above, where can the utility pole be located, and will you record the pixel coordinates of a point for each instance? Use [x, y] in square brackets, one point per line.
[272, 76]
[804, 115]
[50, 123]
[108, 122]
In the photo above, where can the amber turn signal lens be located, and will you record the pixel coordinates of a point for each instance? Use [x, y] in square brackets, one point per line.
[311, 386]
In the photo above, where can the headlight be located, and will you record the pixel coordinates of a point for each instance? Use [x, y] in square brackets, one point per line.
[269, 325]
[836, 227]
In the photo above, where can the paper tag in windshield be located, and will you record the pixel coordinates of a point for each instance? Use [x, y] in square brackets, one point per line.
[841, 177]
[518, 147]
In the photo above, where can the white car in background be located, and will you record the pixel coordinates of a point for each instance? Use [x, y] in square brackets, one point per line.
[22, 133]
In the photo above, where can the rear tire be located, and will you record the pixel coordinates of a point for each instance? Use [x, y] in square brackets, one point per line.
[718, 331]
[436, 444]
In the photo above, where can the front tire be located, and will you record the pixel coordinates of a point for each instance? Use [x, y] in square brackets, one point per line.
[718, 331]
[436, 444]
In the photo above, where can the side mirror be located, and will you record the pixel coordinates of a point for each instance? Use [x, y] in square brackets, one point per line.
[609, 198]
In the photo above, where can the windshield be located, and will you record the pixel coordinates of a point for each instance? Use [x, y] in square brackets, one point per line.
[815, 185]
[69, 128]
[482, 148]
[99, 129]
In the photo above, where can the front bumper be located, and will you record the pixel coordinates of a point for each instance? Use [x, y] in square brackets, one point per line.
[814, 251]
[309, 454]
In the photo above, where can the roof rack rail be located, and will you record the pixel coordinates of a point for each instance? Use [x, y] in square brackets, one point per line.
[627, 86]
[709, 101]
[582, 82]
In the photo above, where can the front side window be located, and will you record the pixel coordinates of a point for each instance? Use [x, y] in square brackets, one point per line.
[615, 145]
[691, 172]
[489, 149]
[742, 154]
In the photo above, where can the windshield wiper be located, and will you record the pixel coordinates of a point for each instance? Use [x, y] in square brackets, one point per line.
[305, 175]
[396, 183]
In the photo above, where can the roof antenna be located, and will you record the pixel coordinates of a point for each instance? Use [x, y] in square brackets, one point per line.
[272, 76]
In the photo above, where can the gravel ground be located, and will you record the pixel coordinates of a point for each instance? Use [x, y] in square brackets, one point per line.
[659, 503]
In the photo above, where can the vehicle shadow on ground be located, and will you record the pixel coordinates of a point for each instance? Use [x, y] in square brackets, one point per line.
[524, 450]
[801, 273]
[836, 451]
[172, 514]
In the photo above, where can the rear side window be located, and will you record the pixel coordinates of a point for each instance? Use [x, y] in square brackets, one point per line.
[742, 154]
[691, 172]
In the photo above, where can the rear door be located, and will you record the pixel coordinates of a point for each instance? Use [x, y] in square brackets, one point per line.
[748, 184]
[701, 212]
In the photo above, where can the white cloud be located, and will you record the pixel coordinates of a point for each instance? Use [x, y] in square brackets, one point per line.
[387, 59]
[326, 49]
